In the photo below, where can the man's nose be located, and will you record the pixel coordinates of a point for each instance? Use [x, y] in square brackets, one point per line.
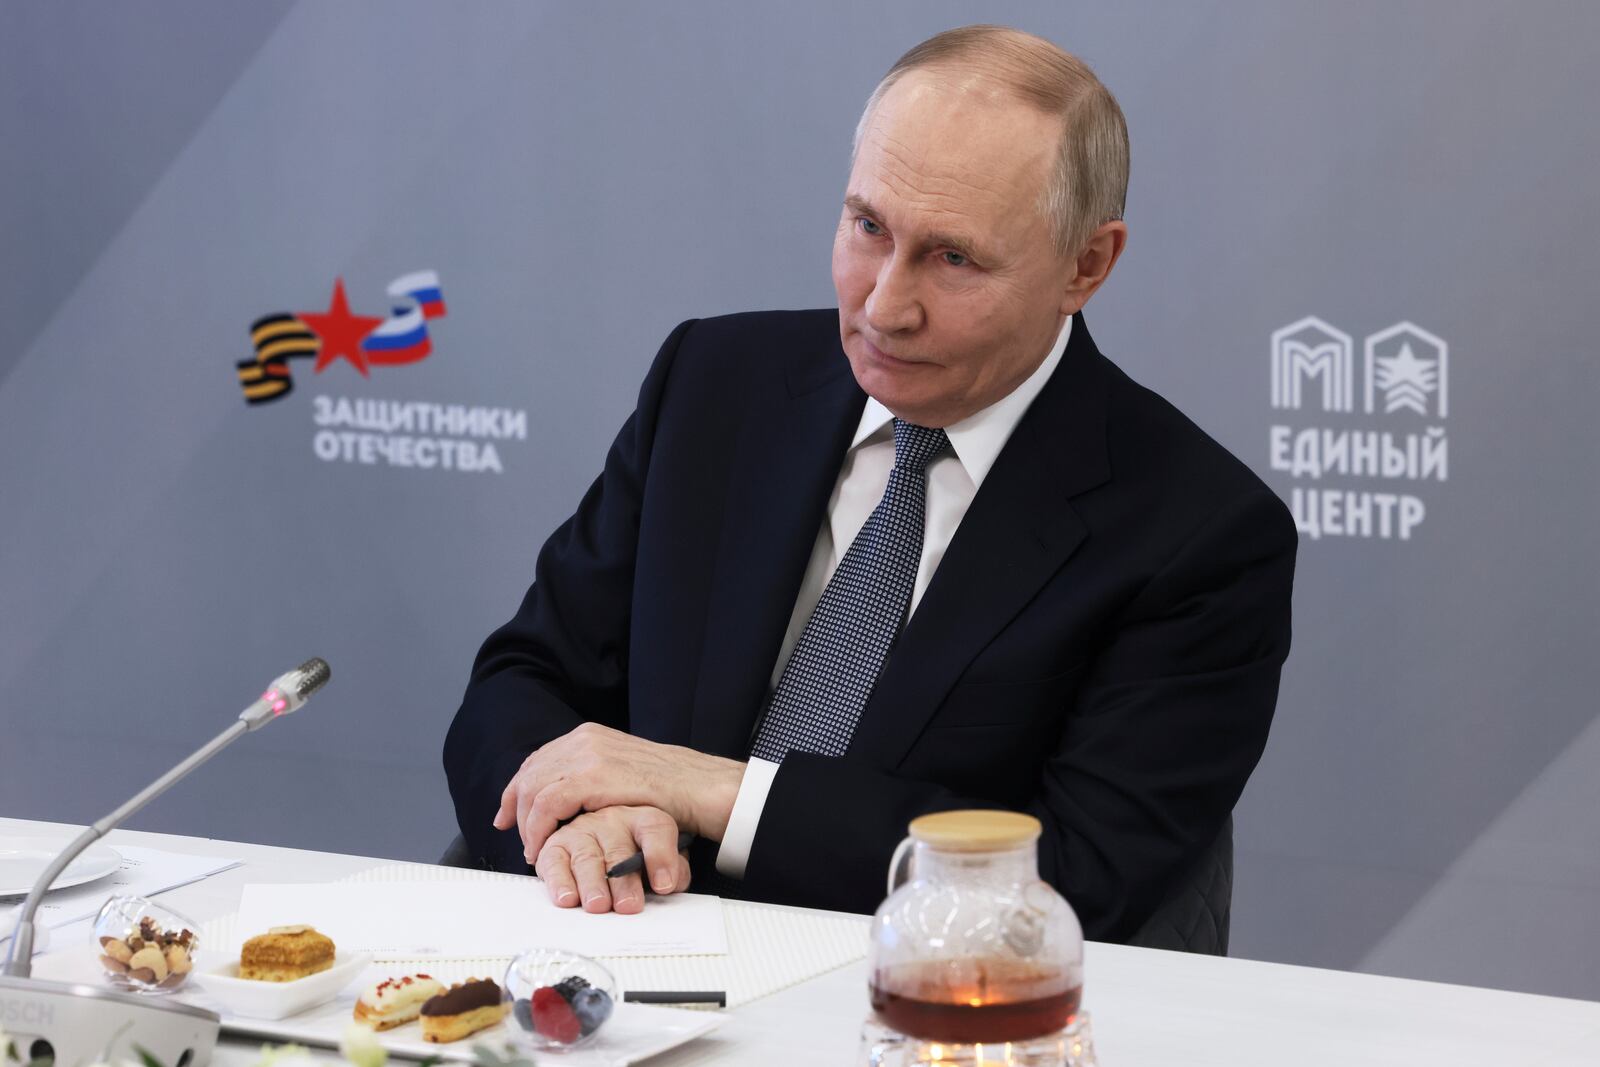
[894, 306]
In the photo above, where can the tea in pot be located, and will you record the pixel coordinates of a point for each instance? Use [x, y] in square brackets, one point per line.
[974, 959]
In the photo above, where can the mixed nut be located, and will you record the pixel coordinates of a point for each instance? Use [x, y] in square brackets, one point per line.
[150, 956]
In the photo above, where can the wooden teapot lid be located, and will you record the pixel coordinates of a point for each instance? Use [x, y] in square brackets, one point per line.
[975, 831]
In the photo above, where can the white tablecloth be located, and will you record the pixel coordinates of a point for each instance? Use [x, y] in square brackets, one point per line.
[1148, 1007]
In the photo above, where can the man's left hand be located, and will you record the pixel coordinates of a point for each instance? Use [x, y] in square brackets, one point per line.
[594, 767]
[575, 859]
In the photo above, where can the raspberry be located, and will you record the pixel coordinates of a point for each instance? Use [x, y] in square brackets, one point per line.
[553, 1016]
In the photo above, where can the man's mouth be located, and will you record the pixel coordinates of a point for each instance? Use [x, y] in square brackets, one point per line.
[879, 354]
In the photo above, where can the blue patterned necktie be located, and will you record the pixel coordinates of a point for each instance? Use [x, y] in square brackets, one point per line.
[835, 662]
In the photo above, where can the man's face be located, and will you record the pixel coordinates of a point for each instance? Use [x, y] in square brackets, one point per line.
[950, 288]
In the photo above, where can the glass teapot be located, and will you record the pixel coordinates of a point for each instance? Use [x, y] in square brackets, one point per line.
[974, 959]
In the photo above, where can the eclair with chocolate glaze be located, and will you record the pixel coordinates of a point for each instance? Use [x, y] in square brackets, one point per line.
[462, 1010]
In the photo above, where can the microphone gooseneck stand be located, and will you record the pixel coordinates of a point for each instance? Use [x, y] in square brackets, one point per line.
[76, 1023]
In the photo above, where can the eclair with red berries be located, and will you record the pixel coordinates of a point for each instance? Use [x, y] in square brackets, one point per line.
[396, 1001]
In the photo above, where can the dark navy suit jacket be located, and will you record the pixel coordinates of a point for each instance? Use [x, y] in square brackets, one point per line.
[1100, 645]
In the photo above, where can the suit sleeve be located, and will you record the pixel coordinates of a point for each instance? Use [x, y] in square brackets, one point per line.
[563, 658]
[1151, 758]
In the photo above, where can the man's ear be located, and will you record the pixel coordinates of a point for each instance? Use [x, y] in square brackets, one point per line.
[1094, 264]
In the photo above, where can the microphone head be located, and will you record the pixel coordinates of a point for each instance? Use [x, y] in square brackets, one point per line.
[290, 689]
[313, 675]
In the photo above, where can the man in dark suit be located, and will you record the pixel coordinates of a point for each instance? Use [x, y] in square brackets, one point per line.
[929, 551]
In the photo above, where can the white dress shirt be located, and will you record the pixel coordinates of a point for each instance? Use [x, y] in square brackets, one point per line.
[953, 481]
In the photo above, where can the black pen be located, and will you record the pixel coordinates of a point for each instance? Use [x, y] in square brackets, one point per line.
[635, 863]
[666, 996]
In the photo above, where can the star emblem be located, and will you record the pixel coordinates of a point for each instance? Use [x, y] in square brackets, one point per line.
[339, 331]
[1406, 369]
[1406, 380]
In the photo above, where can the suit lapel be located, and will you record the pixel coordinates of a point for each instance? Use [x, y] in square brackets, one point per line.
[1020, 530]
[788, 459]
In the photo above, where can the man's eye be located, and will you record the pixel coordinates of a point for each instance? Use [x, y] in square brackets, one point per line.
[955, 259]
[870, 228]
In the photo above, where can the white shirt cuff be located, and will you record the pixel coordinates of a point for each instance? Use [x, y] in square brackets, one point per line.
[741, 833]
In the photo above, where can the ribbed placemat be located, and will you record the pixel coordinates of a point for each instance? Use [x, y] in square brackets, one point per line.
[772, 947]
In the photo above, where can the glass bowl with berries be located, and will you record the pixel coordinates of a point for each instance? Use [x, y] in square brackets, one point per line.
[559, 999]
[144, 946]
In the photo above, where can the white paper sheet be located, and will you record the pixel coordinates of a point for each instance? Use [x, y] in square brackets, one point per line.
[144, 873]
[457, 919]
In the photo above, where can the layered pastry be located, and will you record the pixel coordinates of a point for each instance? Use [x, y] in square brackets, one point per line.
[285, 954]
[396, 1001]
[463, 1009]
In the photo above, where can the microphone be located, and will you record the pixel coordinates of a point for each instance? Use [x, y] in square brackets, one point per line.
[80, 1015]
[287, 693]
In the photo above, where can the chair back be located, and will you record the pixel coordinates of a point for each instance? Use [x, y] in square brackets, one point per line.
[1193, 917]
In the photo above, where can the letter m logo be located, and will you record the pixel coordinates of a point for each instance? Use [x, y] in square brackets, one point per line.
[1311, 352]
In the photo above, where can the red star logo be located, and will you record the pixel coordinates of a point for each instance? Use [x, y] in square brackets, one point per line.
[340, 331]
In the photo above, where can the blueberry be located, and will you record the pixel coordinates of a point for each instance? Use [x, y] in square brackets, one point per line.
[523, 1011]
[593, 1007]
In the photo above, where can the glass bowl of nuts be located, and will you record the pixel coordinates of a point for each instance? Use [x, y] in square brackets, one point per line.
[144, 946]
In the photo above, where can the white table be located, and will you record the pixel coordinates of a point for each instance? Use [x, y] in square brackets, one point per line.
[1148, 1007]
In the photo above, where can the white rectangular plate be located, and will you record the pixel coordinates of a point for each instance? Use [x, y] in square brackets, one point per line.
[633, 1033]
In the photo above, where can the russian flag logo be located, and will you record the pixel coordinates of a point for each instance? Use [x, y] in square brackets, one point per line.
[401, 338]
[423, 287]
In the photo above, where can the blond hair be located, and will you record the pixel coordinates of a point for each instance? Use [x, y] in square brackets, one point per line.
[1089, 183]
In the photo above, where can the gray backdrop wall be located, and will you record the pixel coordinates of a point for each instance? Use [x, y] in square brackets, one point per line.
[1363, 257]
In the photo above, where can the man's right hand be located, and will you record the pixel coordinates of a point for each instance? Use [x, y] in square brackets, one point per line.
[574, 859]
